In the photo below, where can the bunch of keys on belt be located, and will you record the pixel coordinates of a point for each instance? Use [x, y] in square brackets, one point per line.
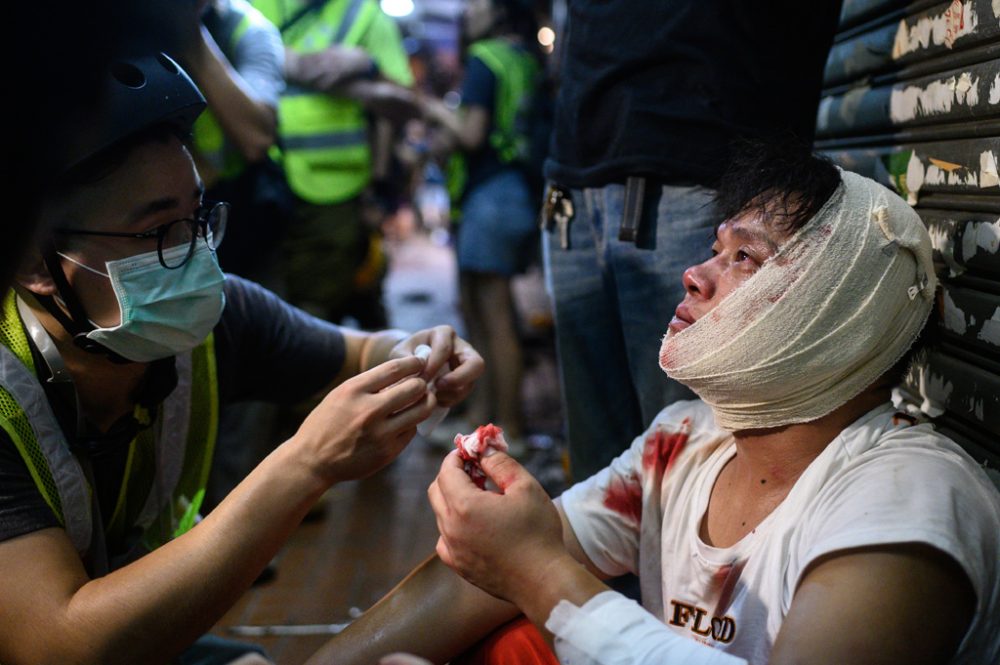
[558, 208]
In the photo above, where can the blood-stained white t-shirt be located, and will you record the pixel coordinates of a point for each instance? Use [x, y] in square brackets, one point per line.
[884, 480]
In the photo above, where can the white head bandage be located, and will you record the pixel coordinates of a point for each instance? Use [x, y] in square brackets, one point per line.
[838, 305]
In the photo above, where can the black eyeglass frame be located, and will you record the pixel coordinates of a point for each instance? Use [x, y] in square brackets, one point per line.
[201, 225]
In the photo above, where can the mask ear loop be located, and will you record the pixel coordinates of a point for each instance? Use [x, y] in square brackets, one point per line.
[76, 322]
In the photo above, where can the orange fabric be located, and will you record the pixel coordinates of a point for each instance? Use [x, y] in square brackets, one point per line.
[514, 643]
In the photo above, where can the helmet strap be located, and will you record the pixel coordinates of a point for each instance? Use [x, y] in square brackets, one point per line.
[75, 322]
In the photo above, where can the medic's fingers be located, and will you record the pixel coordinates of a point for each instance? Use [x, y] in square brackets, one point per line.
[396, 398]
[388, 373]
[413, 413]
[442, 344]
[470, 366]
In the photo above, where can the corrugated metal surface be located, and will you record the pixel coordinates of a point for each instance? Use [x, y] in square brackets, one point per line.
[958, 95]
[912, 99]
[908, 38]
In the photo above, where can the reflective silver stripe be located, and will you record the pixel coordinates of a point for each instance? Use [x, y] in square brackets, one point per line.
[347, 22]
[65, 470]
[74, 495]
[170, 438]
[328, 140]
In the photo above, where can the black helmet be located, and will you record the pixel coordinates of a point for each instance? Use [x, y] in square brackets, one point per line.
[138, 92]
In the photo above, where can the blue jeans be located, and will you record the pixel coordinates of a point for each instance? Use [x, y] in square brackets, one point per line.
[499, 229]
[613, 301]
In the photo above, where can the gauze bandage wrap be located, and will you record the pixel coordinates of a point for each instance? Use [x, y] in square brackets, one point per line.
[833, 310]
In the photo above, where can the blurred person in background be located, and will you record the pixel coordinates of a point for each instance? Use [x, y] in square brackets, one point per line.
[236, 58]
[348, 82]
[490, 182]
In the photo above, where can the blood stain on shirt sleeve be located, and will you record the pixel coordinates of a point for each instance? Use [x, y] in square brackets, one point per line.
[662, 448]
[624, 496]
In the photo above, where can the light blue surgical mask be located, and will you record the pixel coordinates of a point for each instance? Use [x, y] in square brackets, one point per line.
[164, 312]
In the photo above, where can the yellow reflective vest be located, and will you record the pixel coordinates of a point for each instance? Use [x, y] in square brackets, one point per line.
[323, 138]
[517, 79]
[167, 464]
[207, 135]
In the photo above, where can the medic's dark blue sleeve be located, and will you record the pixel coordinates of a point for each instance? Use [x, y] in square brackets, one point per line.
[268, 350]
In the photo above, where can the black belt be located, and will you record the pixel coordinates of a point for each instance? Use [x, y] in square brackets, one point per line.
[558, 209]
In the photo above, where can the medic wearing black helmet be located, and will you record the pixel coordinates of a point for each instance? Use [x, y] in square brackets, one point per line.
[118, 344]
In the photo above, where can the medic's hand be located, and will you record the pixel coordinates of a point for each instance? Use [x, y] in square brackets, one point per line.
[325, 70]
[366, 421]
[464, 364]
[504, 542]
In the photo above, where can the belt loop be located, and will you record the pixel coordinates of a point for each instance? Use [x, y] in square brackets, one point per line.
[635, 194]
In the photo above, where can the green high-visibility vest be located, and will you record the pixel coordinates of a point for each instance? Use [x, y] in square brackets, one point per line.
[209, 139]
[324, 139]
[516, 73]
[167, 466]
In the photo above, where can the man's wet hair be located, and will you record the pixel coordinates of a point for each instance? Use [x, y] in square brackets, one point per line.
[782, 179]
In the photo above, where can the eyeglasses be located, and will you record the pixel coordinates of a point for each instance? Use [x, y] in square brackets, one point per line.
[209, 222]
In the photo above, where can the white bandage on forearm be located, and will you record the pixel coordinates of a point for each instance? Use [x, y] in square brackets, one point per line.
[610, 629]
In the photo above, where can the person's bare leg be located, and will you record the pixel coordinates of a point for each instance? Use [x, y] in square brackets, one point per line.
[495, 304]
[480, 402]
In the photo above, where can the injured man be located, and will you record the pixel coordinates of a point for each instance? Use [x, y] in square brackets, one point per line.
[790, 515]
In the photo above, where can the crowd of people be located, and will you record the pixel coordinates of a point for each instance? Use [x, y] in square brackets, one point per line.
[731, 314]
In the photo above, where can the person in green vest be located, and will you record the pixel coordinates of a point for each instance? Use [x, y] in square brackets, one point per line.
[119, 342]
[236, 58]
[489, 181]
[346, 71]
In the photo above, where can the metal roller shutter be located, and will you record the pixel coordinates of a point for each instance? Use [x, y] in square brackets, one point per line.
[912, 99]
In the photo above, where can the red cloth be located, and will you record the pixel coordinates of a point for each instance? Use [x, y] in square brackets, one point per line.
[514, 643]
